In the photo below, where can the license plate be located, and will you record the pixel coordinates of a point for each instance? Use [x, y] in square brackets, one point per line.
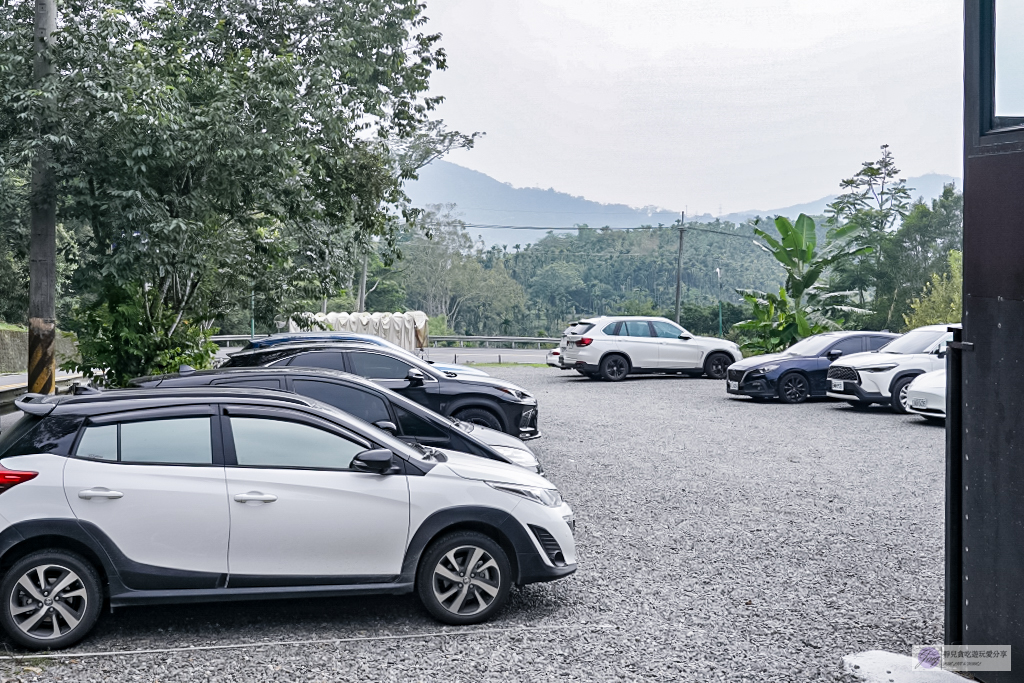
[838, 385]
[735, 386]
[919, 403]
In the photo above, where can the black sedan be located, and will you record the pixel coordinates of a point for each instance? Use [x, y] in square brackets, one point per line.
[800, 371]
[485, 401]
[366, 400]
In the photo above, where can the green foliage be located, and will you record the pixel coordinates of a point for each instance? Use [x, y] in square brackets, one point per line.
[777, 324]
[942, 298]
[206, 151]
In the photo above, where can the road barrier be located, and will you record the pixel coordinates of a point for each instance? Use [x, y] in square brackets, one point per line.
[461, 340]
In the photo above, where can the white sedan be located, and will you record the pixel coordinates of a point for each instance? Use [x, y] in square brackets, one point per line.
[554, 358]
[926, 395]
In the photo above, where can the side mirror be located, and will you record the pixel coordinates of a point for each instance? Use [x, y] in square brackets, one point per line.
[375, 461]
[415, 377]
[833, 354]
[386, 426]
[686, 336]
[941, 353]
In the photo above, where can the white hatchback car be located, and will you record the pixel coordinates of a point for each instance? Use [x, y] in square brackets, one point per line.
[883, 376]
[926, 395]
[614, 347]
[139, 497]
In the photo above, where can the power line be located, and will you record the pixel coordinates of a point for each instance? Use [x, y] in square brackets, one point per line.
[482, 226]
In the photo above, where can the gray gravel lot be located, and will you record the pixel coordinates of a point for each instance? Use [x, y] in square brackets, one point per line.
[719, 539]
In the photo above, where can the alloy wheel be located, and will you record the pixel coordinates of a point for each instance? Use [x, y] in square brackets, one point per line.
[48, 601]
[615, 368]
[794, 388]
[466, 580]
[718, 367]
[905, 396]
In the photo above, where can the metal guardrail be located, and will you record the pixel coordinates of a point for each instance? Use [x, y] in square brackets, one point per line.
[221, 338]
[487, 341]
[12, 391]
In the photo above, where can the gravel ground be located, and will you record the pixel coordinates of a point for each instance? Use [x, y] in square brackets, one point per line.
[719, 539]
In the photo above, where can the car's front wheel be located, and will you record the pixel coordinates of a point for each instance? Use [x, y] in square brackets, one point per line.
[480, 416]
[51, 600]
[614, 367]
[464, 578]
[717, 365]
[794, 388]
[899, 398]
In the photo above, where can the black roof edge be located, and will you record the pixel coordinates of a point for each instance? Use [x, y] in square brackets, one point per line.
[168, 394]
[306, 343]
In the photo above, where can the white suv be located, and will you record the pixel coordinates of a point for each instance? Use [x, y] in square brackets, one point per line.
[883, 376]
[613, 347]
[139, 497]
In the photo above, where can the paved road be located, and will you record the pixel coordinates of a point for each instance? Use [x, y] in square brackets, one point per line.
[719, 540]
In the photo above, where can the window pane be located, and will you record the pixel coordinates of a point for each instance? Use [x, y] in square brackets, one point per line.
[377, 366]
[99, 443]
[362, 404]
[875, 343]
[181, 441]
[1009, 58]
[666, 330]
[261, 442]
[848, 346]
[413, 425]
[638, 328]
[610, 329]
[328, 360]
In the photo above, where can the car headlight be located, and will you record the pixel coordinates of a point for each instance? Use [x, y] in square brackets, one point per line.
[764, 369]
[518, 394]
[547, 497]
[518, 456]
[880, 368]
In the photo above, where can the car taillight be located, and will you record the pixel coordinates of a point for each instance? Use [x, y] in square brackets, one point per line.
[10, 478]
[585, 341]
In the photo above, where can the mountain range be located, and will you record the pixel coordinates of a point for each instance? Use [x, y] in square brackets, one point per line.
[491, 208]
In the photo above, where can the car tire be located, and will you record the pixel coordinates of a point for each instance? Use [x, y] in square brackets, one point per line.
[794, 388]
[480, 416]
[444, 587]
[614, 367]
[35, 617]
[716, 365]
[898, 400]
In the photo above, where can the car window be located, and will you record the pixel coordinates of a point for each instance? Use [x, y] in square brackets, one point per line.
[848, 346]
[363, 404]
[638, 328]
[666, 330]
[32, 434]
[378, 366]
[328, 360]
[414, 425]
[878, 342]
[250, 383]
[582, 328]
[612, 329]
[941, 348]
[263, 442]
[99, 443]
[251, 360]
[177, 441]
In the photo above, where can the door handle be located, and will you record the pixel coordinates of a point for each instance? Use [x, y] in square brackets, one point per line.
[255, 497]
[89, 494]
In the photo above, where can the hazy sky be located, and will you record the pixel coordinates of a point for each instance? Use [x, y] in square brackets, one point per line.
[738, 104]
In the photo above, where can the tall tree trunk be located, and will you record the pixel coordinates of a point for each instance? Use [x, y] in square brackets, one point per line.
[43, 242]
[361, 303]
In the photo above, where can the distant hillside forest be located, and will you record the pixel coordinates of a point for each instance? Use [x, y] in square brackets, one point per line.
[439, 267]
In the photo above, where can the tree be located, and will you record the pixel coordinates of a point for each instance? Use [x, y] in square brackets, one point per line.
[212, 150]
[942, 298]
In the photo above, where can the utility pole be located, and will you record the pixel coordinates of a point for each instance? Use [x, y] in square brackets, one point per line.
[719, 271]
[42, 267]
[679, 265]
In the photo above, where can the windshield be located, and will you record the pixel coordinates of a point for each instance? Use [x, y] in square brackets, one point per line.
[812, 346]
[917, 341]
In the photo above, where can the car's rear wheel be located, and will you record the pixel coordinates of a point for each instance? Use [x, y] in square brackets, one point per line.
[794, 388]
[464, 578]
[716, 365]
[51, 600]
[899, 398]
[480, 416]
[614, 367]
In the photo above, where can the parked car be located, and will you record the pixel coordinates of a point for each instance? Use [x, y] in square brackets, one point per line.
[295, 337]
[883, 376]
[613, 347]
[554, 358]
[485, 401]
[140, 497]
[926, 395]
[799, 372]
[368, 401]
